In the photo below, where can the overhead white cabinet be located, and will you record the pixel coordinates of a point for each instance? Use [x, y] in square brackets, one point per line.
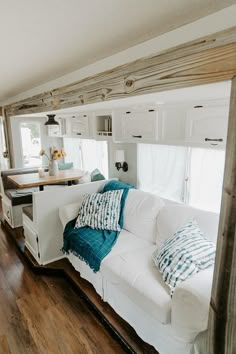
[173, 125]
[136, 126]
[78, 125]
[207, 126]
[54, 130]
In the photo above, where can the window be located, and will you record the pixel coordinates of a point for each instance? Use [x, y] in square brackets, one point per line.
[190, 175]
[31, 143]
[87, 154]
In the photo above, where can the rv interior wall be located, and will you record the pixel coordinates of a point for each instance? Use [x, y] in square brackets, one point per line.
[130, 151]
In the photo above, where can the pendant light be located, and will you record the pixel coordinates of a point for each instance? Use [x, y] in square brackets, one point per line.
[51, 120]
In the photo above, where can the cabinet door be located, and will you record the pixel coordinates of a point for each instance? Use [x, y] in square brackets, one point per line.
[54, 130]
[80, 125]
[207, 126]
[7, 212]
[31, 241]
[138, 126]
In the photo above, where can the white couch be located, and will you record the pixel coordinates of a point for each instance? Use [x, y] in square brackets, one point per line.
[129, 281]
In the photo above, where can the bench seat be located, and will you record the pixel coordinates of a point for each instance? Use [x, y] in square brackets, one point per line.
[28, 211]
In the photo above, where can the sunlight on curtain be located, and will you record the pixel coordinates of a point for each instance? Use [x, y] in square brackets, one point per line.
[161, 170]
[206, 169]
[94, 155]
[87, 154]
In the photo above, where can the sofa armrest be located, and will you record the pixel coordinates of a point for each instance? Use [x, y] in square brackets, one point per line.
[68, 212]
[190, 305]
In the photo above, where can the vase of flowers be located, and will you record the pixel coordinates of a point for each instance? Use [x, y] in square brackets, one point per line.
[55, 155]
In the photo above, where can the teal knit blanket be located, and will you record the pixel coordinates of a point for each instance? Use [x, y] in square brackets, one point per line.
[92, 245]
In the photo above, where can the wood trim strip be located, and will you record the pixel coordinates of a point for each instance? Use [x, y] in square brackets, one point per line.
[206, 60]
[222, 324]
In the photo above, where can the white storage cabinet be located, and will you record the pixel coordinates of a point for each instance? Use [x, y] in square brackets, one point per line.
[78, 125]
[207, 126]
[136, 125]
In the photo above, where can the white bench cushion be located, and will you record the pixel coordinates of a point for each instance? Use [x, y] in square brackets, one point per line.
[136, 275]
[140, 214]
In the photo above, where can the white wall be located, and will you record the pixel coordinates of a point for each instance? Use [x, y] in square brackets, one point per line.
[131, 158]
[216, 22]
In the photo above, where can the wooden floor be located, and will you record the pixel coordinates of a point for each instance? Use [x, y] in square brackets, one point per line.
[41, 314]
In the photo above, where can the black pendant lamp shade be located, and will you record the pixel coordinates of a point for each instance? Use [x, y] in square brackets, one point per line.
[51, 120]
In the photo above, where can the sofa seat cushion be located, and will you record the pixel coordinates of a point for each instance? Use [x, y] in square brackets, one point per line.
[140, 214]
[127, 242]
[20, 196]
[136, 275]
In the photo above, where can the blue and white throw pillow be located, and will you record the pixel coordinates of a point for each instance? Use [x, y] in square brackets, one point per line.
[100, 211]
[184, 254]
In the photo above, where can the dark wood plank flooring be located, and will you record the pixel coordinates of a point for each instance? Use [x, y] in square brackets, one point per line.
[42, 314]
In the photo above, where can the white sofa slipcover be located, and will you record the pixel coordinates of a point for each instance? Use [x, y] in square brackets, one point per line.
[129, 281]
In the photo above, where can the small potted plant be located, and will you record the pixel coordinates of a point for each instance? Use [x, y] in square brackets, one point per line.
[55, 155]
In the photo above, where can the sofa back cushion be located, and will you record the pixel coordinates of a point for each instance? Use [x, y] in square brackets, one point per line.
[140, 214]
[173, 216]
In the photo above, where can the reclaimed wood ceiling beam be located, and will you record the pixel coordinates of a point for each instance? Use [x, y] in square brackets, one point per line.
[203, 61]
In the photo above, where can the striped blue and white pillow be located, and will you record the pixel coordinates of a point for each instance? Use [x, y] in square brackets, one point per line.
[185, 253]
[100, 211]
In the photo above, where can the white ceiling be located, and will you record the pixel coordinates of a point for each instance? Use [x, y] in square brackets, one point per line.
[43, 40]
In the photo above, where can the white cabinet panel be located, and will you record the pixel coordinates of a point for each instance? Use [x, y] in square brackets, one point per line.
[173, 125]
[135, 126]
[54, 130]
[31, 240]
[7, 212]
[207, 126]
[78, 125]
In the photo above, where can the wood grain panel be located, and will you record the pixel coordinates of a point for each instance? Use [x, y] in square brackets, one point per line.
[222, 322]
[206, 60]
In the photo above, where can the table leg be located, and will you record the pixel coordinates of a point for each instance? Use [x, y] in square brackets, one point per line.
[41, 188]
[69, 183]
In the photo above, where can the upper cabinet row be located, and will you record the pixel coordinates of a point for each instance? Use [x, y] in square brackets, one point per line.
[193, 125]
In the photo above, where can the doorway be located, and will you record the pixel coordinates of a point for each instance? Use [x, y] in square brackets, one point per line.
[31, 143]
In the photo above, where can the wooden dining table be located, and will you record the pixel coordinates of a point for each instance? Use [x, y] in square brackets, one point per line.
[29, 180]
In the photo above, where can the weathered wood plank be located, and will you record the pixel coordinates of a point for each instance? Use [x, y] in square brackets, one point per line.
[206, 60]
[222, 320]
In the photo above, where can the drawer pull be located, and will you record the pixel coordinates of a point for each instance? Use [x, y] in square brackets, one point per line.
[137, 136]
[219, 140]
[78, 133]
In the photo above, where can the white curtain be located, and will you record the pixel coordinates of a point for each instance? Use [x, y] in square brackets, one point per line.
[206, 169]
[87, 154]
[190, 175]
[161, 170]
